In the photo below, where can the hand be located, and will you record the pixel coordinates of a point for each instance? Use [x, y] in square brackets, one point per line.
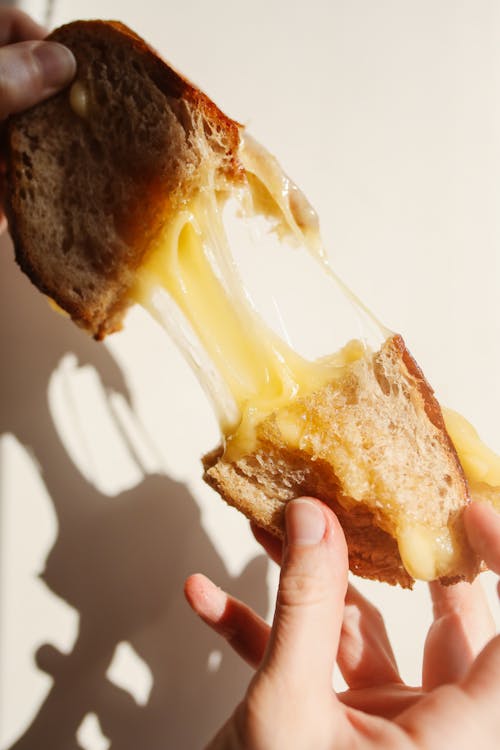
[290, 702]
[30, 69]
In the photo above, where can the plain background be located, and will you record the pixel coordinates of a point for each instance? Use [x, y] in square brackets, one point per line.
[386, 114]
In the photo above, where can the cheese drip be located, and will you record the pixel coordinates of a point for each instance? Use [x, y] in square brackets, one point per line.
[479, 462]
[425, 552]
[275, 196]
[192, 263]
[190, 284]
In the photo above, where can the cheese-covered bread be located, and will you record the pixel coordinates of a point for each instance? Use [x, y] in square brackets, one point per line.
[373, 446]
[96, 174]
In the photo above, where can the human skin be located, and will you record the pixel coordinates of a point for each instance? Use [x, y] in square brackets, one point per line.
[319, 619]
[30, 71]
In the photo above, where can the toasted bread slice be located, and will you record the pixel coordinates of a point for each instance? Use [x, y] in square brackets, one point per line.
[95, 171]
[373, 446]
[94, 174]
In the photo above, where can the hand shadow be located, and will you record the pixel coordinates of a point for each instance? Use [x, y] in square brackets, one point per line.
[120, 562]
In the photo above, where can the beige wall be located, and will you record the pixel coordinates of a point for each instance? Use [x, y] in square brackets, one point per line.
[386, 113]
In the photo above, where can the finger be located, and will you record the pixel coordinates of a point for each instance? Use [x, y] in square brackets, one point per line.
[482, 524]
[482, 683]
[365, 655]
[32, 71]
[462, 626]
[385, 701]
[16, 26]
[272, 545]
[310, 602]
[240, 626]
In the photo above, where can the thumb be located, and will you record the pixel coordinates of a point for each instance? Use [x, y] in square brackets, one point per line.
[310, 602]
[482, 524]
[32, 71]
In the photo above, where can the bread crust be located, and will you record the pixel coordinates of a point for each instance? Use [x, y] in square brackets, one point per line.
[105, 272]
[373, 553]
[260, 484]
[162, 170]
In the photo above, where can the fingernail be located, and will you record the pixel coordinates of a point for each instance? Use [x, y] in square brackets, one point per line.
[305, 522]
[56, 62]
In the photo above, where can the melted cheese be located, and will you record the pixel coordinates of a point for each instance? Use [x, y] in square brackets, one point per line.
[479, 462]
[79, 100]
[250, 372]
[276, 196]
[53, 304]
[191, 262]
[189, 282]
[427, 553]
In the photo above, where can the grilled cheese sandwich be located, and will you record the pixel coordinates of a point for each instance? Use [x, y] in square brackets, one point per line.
[360, 429]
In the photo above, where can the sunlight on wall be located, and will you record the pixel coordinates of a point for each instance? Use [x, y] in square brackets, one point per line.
[396, 142]
[130, 672]
[90, 736]
[88, 429]
[29, 614]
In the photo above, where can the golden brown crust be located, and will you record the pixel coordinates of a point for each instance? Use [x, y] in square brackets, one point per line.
[152, 170]
[432, 407]
[373, 553]
[261, 483]
[170, 81]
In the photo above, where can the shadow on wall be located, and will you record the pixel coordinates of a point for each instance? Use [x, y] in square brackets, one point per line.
[120, 562]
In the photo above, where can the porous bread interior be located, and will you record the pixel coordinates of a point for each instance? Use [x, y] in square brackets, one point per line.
[148, 140]
[140, 140]
[368, 448]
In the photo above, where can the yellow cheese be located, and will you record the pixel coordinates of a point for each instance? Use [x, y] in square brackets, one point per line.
[275, 195]
[246, 368]
[53, 304]
[479, 462]
[79, 100]
[427, 553]
[191, 262]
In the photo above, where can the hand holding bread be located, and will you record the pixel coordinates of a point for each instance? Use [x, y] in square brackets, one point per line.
[320, 620]
[30, 70]
[117, 187]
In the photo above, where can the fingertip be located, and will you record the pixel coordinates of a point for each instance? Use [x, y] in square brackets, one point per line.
[206, 599]
[194, 586]
[18, 26]
[57, 63]
[311, 593]
[306, 522]
[479, 506]
[328, 526]
[31, 72]
[479, 516]
[315, 541]
[190, 583]
[482, 526]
